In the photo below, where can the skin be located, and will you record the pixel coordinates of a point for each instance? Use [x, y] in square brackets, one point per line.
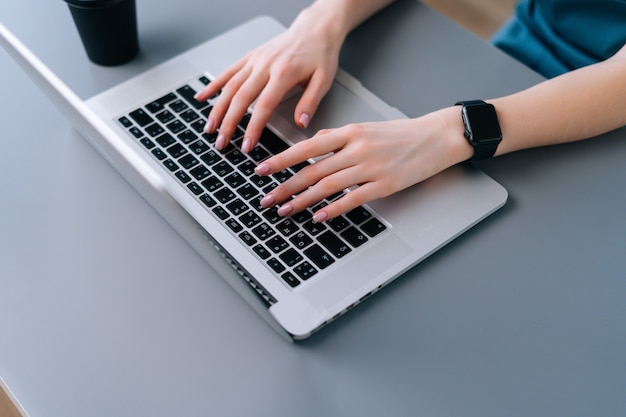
[386, 157]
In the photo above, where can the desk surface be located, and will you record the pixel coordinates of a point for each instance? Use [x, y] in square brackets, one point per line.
[105, 310]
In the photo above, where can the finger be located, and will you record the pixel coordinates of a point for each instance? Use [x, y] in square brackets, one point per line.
[239, 105]
[315, 90]
[328, 185]
[321, 144]
[349, 201]
[264, 107]
[218, 82]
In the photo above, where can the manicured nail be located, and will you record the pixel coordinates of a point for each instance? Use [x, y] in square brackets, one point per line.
[262, 169]
[267, 201]
[209, 127]
[285, 210]
[195, 97]
[246, 145]
[304, 120]
[319, 216]
[220, 142]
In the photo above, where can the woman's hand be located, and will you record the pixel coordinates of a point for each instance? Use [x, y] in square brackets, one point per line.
[305, 55]
[381, 157]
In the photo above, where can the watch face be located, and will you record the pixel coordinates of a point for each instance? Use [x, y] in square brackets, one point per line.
[483, 122]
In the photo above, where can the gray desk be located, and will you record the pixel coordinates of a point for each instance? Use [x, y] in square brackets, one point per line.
[106, 311]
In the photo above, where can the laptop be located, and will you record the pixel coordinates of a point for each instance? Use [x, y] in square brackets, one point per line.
[297, 274]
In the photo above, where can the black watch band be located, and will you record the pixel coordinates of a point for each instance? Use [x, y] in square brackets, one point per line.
[482, 129]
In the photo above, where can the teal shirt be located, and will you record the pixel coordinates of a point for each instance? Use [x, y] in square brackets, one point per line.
[556, 36]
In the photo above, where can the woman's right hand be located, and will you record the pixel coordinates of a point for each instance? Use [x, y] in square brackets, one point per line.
[306, 54]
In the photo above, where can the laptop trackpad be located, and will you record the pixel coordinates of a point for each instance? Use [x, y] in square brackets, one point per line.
[338, 108]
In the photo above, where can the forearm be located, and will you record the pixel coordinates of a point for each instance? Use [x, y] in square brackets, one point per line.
[577, 105]
[344, 15]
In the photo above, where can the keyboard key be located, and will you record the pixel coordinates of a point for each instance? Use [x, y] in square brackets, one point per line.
[171, 165]
[220, 213]
[165, 116]
[247, 191]
[207, 200]
[290, 257]
[147, 143]
[258, 154]
[338, 223]
[187, 137]
[187, 93]
[183, 177]
[261, 251]
[159, 104]
[188, 161]
[237, 207]
[277, 244]
[176, 126]
[195, 188]
[224, 195]
[272, 143]
[199, 147]
[290, 279]
[287, 227]
[247, 238]
[263, 231]
[125, 122]
[159, 154]
[177, 150]
[373, 227]
[234, 225]
[276, 265]
[236, 157]
[141, 117]
[198, 125]
[189, 115]
[334, 244]
[250, 219]
[354, 237]
[135, 132]
[211, 157]
[200, 172]
[313, 227]
[305, 270]
[154, 130]
[319, 256]
[358, 215]
[301, 240]
[222, 169]
[211, 184]
[272, 216]
[165, 140]
[178, 106]
[235, 180]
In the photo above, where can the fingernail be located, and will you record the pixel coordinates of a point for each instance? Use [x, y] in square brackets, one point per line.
[195, 97]
[220, 142]
[319, 216]
[285, 210]
[262, 169]
[246, 145]
[209, 127]
[267, 201]
[304, 120]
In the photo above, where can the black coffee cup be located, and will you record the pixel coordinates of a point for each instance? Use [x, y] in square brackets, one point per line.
[107, 28]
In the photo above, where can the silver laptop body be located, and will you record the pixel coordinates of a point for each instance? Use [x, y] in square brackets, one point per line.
[415, 222]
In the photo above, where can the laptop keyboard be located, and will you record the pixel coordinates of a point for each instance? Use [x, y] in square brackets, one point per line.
[295, 248]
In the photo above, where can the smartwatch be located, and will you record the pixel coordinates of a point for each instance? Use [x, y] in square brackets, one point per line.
[482, 129]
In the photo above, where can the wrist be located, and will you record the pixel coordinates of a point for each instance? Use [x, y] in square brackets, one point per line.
[457, 147]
